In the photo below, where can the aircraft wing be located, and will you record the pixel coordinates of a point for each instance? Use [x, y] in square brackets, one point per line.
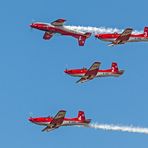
[59, 22]
[47, 129]
[48, 35]
[56, 122]
[124, 37]
[91, 73]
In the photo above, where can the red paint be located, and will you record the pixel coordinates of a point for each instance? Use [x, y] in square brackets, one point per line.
[113, 70]
[79, 120]
[111, 37]
[57, 27]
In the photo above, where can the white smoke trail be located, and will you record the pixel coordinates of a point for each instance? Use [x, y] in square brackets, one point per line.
[112, 127]
[98, 30]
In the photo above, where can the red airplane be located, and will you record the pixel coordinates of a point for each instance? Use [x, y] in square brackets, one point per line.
[93, 72]
[59, 120]
[58, 27]
[124, 37]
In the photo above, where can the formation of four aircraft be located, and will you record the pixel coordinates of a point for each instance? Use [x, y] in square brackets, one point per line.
[84, 73]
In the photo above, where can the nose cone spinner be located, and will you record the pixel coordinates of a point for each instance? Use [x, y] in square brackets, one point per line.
[30, 119]
[68, 71]
[98, 36]
[33, 25]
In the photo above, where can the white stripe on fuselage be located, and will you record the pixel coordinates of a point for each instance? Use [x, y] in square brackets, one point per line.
[65, 123]
[106, 74]
[137, 39]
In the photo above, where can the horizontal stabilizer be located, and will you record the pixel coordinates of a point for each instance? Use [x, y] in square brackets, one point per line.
[59, 22]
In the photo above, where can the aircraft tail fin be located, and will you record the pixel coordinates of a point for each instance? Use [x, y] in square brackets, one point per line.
[146, 31]
[81, 116]
[114, 67]
[82, 38]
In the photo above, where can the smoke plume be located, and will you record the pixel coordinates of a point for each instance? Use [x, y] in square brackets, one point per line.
[98, 30]
[111, 127]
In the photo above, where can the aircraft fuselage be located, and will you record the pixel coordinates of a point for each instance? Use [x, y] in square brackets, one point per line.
[45, 121]
[63, 30]
[132, 38]
[100, 73]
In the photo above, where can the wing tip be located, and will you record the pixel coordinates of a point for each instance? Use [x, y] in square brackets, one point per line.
[62, 110]
[129, 28]
[97, 62]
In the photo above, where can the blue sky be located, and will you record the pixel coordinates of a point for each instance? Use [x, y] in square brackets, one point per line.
[32, 78]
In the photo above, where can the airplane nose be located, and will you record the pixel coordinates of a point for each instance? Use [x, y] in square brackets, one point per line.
[66, 71]
[98, 35]
[31, 25]
[30, 119]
